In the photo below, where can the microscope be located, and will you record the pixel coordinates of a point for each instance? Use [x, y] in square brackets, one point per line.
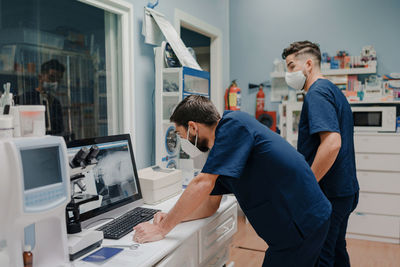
[81, 242]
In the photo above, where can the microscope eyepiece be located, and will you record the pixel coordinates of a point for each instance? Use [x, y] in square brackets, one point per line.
[79, 158]
[94, 151]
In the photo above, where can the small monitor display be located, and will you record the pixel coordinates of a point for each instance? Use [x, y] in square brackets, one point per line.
[369, 119]
[41, 167]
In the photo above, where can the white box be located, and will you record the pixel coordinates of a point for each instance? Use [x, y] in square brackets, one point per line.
[158, 184]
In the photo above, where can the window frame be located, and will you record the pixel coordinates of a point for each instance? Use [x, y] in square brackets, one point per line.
[124, 9]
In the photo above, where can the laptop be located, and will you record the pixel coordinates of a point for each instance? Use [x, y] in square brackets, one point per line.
[113, 178]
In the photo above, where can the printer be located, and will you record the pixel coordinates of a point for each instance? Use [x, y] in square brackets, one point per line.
[158, 184]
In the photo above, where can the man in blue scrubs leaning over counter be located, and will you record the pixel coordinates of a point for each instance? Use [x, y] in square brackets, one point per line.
[272, 182]
[326, 141]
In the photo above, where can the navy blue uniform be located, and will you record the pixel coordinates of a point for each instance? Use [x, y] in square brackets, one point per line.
[326, 109]
[274, 186]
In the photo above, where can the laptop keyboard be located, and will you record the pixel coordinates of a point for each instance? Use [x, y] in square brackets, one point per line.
[124, 224]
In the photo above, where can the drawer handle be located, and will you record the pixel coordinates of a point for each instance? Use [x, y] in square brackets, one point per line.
[219, 232]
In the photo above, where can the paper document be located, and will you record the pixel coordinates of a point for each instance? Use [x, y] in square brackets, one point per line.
[150, 30]
[151, 34]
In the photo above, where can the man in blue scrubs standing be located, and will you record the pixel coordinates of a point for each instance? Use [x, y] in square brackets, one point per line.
[272, 182]
[326, 141]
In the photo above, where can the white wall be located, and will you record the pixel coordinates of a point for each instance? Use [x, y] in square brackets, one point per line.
[261, 29]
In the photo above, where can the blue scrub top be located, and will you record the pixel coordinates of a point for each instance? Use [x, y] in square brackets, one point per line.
[326, 109]
[272, 182]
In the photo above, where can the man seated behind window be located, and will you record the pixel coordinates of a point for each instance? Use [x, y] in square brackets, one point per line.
[51, 74]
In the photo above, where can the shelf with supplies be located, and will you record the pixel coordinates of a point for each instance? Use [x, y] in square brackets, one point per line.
[172, 86]
[353, 71]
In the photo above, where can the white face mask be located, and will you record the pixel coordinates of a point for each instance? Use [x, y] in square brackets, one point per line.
[296, 79]
[189, 148]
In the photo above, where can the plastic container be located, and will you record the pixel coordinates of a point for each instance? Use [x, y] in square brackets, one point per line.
[32, 121]
[6, 126]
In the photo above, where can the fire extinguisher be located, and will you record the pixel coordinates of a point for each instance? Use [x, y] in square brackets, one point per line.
[260, 101]
[233, 97]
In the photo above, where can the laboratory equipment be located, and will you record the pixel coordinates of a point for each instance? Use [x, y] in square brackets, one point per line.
[113, 178]
[6, 126]
[81, 242]
[32, 122]
[159, 184]
[35, 175]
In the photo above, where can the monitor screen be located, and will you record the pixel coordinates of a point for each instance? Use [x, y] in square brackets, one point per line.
[113, 177]
[41, 167]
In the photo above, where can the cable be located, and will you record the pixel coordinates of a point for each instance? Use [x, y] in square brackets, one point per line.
[102, 219]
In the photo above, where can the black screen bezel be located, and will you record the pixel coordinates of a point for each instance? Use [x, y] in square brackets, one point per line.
[106, 139]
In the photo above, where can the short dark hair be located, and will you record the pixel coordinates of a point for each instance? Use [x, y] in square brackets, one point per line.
[52, 64]
[195, 108]
[303, 47]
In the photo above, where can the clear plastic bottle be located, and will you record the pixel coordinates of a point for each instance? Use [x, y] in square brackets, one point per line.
[28, 257]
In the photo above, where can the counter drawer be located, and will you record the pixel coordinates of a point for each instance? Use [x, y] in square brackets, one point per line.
[379, 182]
[185, 255]
[383, 204]
[213, 236]
[378, 162]
[374, 225]
[377, 143]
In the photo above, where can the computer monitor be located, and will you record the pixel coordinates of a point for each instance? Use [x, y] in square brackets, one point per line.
[114, 177]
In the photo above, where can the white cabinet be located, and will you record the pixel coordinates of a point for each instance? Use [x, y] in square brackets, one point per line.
[377, 216]
[217, 234]
[209, 246]
[180, 256]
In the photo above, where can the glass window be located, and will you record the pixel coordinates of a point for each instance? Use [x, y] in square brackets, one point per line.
[63, 54]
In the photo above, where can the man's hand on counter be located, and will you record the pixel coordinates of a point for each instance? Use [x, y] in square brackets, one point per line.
[194, 203]
[148, 232]
[159, 216]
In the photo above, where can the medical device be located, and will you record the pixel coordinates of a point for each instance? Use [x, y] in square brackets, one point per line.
[81, 242]
[35, 182]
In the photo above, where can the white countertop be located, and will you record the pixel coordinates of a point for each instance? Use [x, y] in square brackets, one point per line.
[149, 254]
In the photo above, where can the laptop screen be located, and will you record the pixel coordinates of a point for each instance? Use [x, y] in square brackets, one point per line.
[113, 176]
